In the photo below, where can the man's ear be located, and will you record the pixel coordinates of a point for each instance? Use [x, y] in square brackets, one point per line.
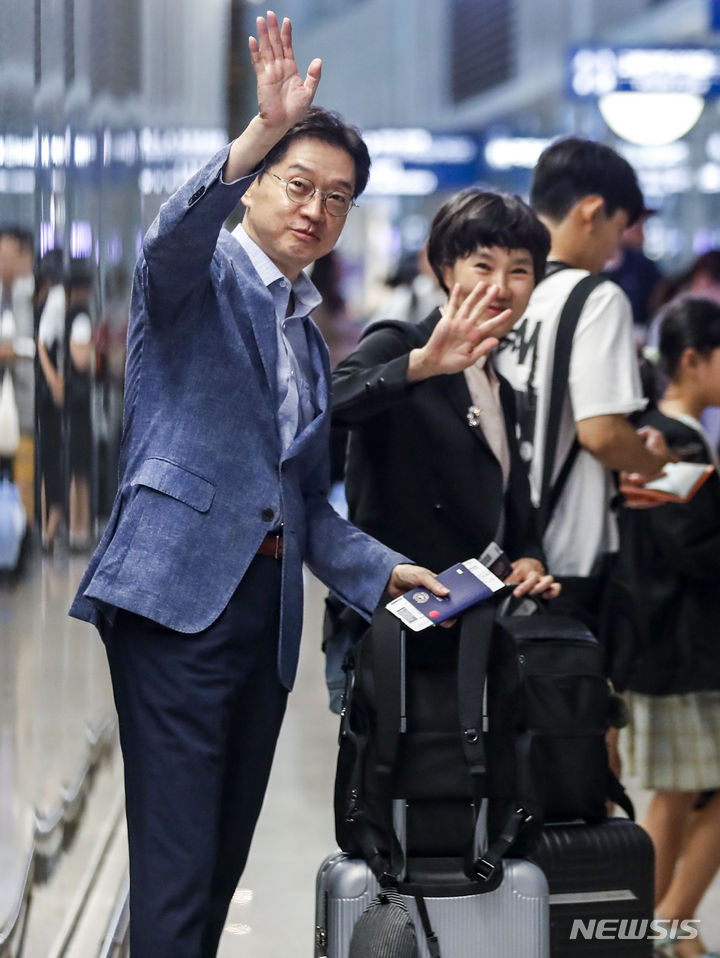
[591, 210]
[248, 194]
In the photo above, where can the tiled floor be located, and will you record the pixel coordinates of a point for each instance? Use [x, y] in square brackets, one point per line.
[53, 683]
[273, 914]
[54, 689]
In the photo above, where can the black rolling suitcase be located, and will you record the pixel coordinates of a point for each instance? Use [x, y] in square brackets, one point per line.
[601, 882]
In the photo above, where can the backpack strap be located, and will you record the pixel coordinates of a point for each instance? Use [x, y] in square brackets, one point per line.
[485, 864]
[574, 304]
[364, 830]
[616, 793]
[476, 632]
[430, 936]
[387, 656]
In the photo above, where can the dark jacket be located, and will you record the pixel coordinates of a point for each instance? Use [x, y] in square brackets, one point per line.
[419, 477]
[663, 618]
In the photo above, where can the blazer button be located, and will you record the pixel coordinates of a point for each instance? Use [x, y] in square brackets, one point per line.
[196, 196]
[267, 514]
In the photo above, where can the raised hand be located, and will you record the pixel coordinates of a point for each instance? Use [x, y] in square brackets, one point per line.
[469, 328]
[283, 96]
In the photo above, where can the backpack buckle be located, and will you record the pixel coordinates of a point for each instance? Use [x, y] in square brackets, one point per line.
[484, 869]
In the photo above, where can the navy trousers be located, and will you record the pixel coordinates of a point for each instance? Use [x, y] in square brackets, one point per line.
[199, 716]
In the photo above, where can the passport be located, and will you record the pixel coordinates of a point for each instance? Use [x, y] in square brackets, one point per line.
[678, 483]
[469, 582]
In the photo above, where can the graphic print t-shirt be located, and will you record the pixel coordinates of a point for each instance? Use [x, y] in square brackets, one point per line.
[604, 380]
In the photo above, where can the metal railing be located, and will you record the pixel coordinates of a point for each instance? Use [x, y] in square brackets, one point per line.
[52, 833]
[117, 939]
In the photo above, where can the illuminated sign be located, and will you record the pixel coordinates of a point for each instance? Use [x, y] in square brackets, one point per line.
[514, 152]
[417, 162]
[595, 71]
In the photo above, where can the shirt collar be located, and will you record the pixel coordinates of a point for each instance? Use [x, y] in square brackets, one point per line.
[307, 298]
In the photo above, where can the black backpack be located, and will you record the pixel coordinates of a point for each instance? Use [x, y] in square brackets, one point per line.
[413, 728]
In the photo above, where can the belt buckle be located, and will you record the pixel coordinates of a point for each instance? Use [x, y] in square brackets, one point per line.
[278, 535]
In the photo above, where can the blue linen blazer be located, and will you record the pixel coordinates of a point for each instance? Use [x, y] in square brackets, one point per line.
[203, 477]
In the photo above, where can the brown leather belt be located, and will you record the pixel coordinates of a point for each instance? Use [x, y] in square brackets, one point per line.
[272, 546]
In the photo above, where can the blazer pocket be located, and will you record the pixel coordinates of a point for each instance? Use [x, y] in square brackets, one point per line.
[177, 482]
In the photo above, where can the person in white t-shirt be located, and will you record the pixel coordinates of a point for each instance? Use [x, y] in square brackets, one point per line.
[50, 396]
[586, 194]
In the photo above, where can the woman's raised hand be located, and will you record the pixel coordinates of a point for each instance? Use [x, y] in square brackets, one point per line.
[468, 329]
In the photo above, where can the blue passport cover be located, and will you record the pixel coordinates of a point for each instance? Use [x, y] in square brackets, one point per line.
[469, 582]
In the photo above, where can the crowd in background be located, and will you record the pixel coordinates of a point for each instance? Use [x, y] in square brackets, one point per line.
[58, 364]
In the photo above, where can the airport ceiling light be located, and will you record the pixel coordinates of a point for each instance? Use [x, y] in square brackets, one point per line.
[650, 95]
[650, 119]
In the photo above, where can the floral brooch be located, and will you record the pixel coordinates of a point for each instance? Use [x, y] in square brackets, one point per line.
[473, 416]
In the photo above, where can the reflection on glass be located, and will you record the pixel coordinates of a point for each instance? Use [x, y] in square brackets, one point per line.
[101, 118]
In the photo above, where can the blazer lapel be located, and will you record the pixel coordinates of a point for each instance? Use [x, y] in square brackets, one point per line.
[459, 397]
[259, 307]
[321, 373]
[507, 401]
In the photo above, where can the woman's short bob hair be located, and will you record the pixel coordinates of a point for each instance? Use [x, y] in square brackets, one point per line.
[475, 217]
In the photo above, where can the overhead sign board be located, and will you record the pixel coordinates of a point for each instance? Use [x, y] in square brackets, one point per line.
[596, 70]
[418, 162]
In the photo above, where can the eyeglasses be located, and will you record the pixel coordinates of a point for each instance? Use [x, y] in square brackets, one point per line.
[300, 190]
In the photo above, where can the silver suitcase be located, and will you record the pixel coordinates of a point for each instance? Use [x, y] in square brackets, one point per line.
[510, 922]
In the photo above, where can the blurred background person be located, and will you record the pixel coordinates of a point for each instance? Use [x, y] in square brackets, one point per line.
[340, 330]
[109, 348]
[17, 347]
[410, 292]
[50, 305]
[78, 352]
[701, 278]
[664, 609]
[637, 274]
[341, 333]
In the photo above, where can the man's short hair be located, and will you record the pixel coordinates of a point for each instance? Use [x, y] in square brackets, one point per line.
[573, 168]
[475, 217]
[329, 127]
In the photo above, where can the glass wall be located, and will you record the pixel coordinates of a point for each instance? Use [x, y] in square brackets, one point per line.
[105, 107]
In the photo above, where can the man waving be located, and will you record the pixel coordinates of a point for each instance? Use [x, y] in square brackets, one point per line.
[196, 586]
